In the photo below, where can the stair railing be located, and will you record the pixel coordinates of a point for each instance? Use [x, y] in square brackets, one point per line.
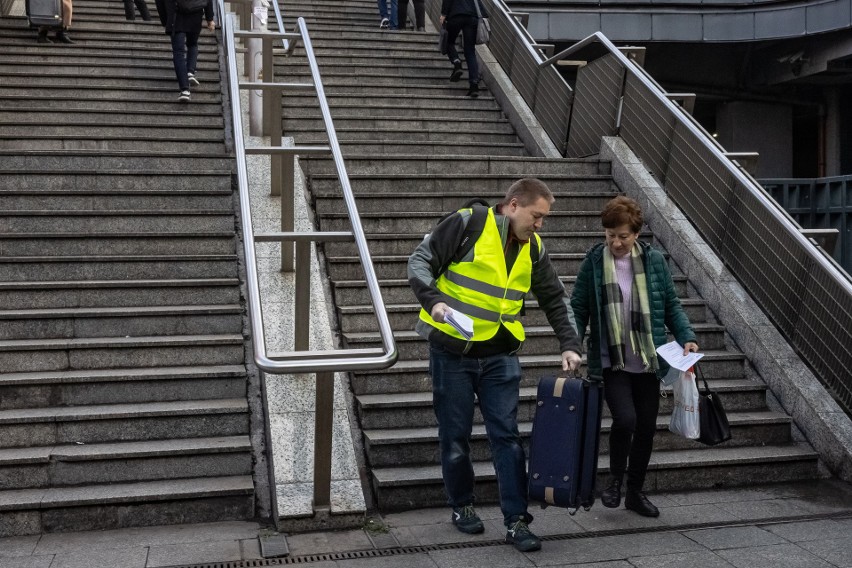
[301, 360]
[796, 283]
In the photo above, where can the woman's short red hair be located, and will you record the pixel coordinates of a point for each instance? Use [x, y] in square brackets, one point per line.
[622, 211]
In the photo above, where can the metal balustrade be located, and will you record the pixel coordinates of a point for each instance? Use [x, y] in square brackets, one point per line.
[801, 289]
[323, 364]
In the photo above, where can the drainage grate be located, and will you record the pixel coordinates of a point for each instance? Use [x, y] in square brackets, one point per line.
[406, 550]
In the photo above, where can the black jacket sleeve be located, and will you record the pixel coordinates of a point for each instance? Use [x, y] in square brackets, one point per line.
[434, 252]
[553, 300]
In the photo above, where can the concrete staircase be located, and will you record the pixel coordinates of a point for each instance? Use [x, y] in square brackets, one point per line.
[123, 387]
[416, 148]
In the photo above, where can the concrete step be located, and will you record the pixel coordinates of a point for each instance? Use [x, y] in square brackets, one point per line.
[25, 356]
[414, 409]
[118, 293]
[402, 488]
[122, 462]
[419, 446]
[30, 199]
[150, 86]
[412, 101]
[367, 135]
[386, 109]
[56, 323]
[75, 107]
[132, 221]
[46, 161]
[422, 222]
[540, 340]
[126, 386]
[398, 291]
[165, 132]
[105, 181]
[81, 244]
[365, 164]
[392, 121]
[31, 427]
[81, 141]
[362, 319]
[187, 116]
[118, 505]
[448, 146]
[117, 267]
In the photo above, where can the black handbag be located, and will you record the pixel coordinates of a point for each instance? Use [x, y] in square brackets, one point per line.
[714, 422]
[442, 40]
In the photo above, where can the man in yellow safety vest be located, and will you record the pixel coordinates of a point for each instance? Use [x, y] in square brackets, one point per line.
[471, 309]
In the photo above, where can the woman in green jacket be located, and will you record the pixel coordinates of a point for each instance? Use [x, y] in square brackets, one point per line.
[625, 294]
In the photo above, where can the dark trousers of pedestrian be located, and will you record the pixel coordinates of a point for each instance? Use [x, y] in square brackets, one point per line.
[456, 382]
[185, 55]
[633, 400]
[466, 25]
[419, 14]
[130, 14]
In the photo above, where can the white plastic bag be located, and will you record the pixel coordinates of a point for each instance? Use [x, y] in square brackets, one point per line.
[685, 420]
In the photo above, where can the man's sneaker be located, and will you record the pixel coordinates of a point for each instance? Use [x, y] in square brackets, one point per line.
[466, 520]
[192, 80]
[184, 97]
[520, 535]
[385, 24]
[457, 71]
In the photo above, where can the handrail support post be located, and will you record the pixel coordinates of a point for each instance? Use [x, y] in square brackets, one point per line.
[323, 428]
[302, 316]
[287, 173]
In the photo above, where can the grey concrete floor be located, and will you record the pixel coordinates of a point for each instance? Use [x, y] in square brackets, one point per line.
[806, 524]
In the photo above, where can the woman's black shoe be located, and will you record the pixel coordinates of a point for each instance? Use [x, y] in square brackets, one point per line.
[611, 496]
[63, 37]
[636, 501]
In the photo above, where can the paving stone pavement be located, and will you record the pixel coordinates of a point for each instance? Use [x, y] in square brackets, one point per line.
[788, 525]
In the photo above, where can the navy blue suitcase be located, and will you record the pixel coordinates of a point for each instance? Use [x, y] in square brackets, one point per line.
[565, 442]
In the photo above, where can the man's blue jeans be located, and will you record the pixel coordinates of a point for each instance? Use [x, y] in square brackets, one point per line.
[185, 56]
[383, 11]
[495, 381]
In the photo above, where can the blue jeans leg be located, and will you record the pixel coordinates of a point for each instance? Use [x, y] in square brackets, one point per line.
[179, 57]
[495, 381]
[192, 51]
[453, 397]
[394, 16]
[383, 8]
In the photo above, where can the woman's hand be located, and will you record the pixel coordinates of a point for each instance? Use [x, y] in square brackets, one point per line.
[442, 19]
[690, 346]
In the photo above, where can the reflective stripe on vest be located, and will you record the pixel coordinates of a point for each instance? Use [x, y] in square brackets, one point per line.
[483, 290]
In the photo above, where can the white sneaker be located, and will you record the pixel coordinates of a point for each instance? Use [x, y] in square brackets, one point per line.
[385, 24]
[184, 97]
[192, 80]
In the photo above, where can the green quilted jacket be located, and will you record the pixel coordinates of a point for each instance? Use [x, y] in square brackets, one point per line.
[666, 310]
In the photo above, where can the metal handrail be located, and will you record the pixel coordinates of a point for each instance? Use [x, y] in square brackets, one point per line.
[712, 146]
[333, 361]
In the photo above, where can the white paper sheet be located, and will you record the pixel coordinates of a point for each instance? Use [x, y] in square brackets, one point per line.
[461, 322]
[673, 354]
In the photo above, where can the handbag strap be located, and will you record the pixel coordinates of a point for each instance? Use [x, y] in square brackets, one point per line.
[476, 5]
[700, 373]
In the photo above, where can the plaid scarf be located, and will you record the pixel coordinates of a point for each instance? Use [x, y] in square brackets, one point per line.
[641, 339]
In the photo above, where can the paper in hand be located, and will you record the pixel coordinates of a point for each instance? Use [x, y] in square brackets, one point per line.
[461, 322]
[673, 354]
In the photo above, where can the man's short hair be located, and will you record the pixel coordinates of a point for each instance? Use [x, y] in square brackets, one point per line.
[527, 191]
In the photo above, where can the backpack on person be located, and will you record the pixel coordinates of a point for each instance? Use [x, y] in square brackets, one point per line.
[190, 6]
[474, 228]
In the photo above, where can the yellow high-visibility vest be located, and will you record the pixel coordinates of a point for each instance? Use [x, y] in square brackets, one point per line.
[483, 290]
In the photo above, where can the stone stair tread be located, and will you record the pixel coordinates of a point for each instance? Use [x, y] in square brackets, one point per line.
[123, 235]
[424, 398]
[120, 342]
[124, 450]
[65, 284]
[397, 308]
[116, 374]
[390, 436]
[110, 212]
[531, 331]
[680, 459]
[120, 311]
[122, 411]
[117, 493]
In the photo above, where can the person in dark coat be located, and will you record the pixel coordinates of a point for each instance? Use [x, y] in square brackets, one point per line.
[625, 294]
[419, 15]
[460, 16]
[184, 27]
[130, 13]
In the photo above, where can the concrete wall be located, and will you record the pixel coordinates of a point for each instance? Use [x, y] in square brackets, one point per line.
[759, 127]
